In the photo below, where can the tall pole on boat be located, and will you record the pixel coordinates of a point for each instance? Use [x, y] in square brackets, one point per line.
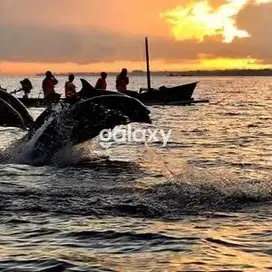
[147, 64]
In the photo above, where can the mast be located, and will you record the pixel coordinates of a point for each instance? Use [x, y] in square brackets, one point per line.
[147, 64]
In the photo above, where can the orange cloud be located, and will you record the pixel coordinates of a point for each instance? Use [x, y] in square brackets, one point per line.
[77, 35]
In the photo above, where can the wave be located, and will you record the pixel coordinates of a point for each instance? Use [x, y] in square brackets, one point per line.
[118, 189]
[40, 265]
[111, 234]
[20, 150]
[94, 184]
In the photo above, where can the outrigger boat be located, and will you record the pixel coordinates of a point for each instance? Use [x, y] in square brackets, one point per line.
[176, 95]
[163, 96]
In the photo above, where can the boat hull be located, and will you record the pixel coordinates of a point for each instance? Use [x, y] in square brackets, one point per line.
[166, 95]
[176, 95]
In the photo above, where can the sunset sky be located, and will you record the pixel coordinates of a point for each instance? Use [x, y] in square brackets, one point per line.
[95, 35]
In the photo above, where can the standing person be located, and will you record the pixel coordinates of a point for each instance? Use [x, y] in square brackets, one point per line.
[101, 83]
[48, 86]
[122, 81]
[70, 88]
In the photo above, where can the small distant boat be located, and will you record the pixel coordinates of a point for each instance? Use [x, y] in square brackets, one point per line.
[179, 75]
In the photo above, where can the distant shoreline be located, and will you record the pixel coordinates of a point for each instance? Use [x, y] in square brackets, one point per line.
[236, 72]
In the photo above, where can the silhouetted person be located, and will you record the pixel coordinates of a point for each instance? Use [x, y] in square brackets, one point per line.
[48, 86]
[101, 83]
[70, 89]
[122, 81]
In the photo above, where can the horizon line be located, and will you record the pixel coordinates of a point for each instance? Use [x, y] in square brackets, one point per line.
[135, 71]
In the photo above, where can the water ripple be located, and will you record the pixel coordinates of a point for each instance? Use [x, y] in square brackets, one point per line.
[202, 203]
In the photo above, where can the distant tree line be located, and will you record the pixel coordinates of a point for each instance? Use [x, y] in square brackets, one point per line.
[232, 72]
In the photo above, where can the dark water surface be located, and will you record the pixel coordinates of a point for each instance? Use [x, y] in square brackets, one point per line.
[202, 203]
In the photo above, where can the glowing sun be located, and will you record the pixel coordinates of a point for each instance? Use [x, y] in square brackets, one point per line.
[200, 19]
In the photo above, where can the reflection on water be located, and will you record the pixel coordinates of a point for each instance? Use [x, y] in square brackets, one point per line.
[115, 244]
[203, 202]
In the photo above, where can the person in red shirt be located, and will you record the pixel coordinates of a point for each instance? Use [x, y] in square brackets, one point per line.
[70, 88]
[122, 81]
[101, 83]
[48, 86]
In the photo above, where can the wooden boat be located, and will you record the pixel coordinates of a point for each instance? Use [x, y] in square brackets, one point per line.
[163, 96]
[177, 95]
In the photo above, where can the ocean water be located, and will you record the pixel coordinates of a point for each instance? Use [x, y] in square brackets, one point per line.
[201, 203]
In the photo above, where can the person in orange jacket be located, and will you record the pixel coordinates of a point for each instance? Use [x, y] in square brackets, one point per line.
[122, 81]
[48, 86]
[70, 88]
[101, 83]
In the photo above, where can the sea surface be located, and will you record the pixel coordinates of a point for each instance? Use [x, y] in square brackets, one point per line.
[201, 203]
